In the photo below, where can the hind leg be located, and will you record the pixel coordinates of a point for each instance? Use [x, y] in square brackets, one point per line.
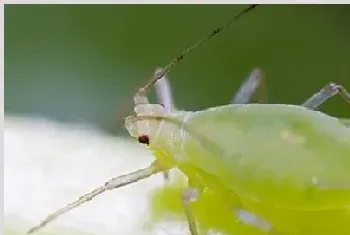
[188, 196]
[244, 221]
[330, 90]
[251, 219]
[254, 82]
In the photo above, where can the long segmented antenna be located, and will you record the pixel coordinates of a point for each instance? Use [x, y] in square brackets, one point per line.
[161, 72]
[111, 184]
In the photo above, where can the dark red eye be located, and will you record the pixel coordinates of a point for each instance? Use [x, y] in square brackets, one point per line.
[143, 139]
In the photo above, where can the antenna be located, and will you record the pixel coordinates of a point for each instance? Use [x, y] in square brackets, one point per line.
[159, 73]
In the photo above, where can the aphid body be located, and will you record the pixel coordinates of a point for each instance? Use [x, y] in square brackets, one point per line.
[282, 162]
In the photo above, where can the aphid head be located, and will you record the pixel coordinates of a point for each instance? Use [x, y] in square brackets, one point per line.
[143, 126]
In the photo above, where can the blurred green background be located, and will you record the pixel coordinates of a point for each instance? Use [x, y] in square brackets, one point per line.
[81, 62]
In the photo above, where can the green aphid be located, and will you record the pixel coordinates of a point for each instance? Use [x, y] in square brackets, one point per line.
[278, 169]
[264, 168]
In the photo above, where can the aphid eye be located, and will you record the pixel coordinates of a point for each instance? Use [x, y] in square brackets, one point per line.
[143, 139]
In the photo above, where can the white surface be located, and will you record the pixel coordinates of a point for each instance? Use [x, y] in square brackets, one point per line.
[48, 165]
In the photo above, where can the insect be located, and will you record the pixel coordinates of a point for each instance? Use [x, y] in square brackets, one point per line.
[211, 213]
[295, 164]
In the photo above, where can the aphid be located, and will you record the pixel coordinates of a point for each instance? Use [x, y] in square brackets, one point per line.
[212, 213]
[159, 165]
[291, 174]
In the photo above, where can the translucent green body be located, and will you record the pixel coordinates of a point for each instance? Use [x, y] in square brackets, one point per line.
[285, 163]
[210, 210]
[213, 213]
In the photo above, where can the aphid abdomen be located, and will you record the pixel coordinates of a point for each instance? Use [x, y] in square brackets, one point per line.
[214, 213]
[285, 162]
[279, 159]
[302, 222]
[211, 210]
[281, 155]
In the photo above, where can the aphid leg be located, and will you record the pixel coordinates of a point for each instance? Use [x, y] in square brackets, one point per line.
[188, 196]
[166, 176]
[248, 218]
[111, 184]
[165, 98]
[252, 219]
[249, 86]
[325, 93]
